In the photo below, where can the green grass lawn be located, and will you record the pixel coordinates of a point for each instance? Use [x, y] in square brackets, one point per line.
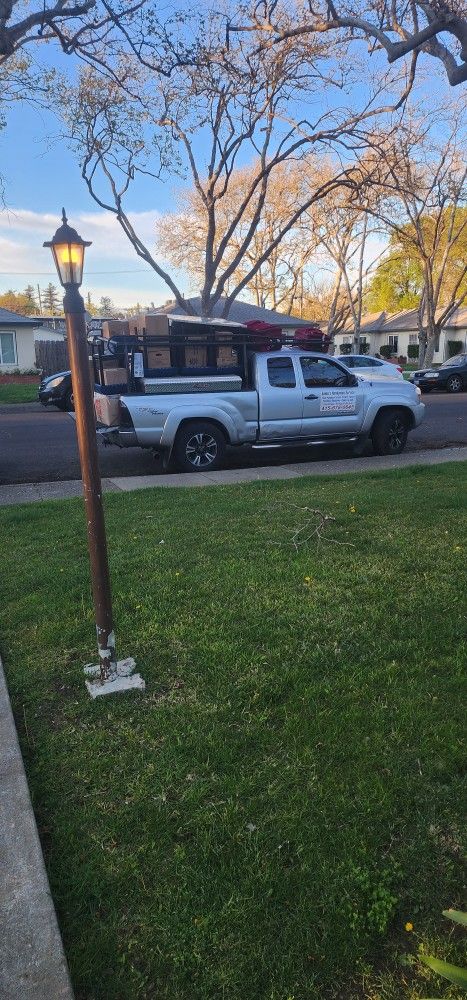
[287, 794]
[12, 392]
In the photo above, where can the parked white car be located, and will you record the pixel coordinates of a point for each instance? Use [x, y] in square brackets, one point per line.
[365, 364]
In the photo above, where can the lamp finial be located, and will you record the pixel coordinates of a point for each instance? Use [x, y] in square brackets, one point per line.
[64, 218]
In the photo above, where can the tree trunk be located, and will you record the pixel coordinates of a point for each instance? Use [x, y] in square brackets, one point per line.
[422, 345]
[433, 333]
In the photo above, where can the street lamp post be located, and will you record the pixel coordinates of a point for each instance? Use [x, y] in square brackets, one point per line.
[111, 675]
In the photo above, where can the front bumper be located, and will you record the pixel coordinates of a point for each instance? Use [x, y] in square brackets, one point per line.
[429, 383]
[51, 395]
[418, 413]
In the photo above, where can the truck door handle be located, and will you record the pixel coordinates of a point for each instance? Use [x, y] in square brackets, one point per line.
[311, 396]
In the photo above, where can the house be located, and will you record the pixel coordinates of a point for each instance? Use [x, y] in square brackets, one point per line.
[399, 330]
[18, 336]
[240, 312]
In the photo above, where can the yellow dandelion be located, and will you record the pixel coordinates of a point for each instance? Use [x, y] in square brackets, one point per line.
[353, 510]
[409, 926]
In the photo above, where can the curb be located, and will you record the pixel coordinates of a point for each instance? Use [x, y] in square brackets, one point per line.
[33, 964]
[19, 493]
[20, 408]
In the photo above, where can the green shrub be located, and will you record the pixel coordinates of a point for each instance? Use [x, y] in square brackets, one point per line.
[386, 351]
[413, 350]
[364, 347]
[346, 349]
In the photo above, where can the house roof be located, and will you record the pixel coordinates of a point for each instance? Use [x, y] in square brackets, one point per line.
[405, 321]
[14, 319]
[458, 318]
[370, 322]
[240, 312]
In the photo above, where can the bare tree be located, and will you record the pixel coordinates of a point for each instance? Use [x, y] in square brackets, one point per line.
[342, 228]
[423, 193]
[203, 122]
[279, 282]
[85, 27]
[436, 27]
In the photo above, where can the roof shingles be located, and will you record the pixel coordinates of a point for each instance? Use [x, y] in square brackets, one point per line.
[14, 319]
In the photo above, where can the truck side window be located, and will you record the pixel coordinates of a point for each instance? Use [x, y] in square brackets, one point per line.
[321, 372]
[281, 373]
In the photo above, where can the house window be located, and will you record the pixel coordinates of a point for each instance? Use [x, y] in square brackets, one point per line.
[8, 348]
[393, 341]
[413, 338]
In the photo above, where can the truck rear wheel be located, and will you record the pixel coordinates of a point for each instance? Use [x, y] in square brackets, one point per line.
[389, 434]
[199, 447]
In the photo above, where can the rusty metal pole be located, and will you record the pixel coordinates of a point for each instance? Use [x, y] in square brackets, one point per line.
[73, 305]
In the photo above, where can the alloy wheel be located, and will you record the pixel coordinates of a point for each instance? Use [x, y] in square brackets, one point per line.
[201, 450]
[396, 434]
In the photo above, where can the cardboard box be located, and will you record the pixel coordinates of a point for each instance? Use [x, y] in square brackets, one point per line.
[159, 357]
[152, 325]
[196, 357]
[107, 409]
[115, 327]
[226, 356]
[115, 376]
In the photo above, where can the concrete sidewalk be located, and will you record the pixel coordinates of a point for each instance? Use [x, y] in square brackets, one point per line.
[32, 961]
[31, 492]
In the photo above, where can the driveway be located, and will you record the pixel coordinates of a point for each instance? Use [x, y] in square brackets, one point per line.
[39, 445]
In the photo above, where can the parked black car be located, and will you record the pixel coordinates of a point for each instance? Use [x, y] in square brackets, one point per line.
[450, 376]
[57, 389]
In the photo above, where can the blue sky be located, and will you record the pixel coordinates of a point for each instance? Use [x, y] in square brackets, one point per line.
[41, 175]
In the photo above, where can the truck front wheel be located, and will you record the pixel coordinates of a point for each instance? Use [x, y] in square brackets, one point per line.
[389, 434]
[199, 447]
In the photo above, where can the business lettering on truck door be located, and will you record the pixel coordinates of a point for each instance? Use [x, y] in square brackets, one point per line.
[338, 401]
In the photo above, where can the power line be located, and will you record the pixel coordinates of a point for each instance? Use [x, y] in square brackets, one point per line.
[47, 274]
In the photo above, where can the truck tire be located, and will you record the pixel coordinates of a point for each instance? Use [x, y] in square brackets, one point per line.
[199, 447]
[389, 433]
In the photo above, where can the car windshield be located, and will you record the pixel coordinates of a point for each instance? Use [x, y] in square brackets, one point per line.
[460, 359]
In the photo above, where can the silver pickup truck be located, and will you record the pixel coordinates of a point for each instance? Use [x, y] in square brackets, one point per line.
[293, 397]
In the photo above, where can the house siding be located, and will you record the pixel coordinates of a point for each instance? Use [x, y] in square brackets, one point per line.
[378, 332]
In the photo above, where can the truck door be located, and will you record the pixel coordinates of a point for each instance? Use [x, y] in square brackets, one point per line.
[280, 399]
[332, 398]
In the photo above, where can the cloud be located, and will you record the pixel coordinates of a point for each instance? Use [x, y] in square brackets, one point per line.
[112, 266]
[29, 229]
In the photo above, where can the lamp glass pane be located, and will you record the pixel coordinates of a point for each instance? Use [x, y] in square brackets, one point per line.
[69, 258]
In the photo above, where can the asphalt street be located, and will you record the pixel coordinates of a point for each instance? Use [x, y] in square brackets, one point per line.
[39, 445]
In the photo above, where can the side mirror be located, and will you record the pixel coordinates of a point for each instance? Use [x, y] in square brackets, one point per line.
[353, 380]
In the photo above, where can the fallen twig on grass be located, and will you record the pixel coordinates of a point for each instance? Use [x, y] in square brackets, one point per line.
[305, 532]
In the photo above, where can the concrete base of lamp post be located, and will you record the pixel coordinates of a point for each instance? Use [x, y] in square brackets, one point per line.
[123, 680]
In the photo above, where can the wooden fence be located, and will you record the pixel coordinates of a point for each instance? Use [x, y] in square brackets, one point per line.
[52, 356]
